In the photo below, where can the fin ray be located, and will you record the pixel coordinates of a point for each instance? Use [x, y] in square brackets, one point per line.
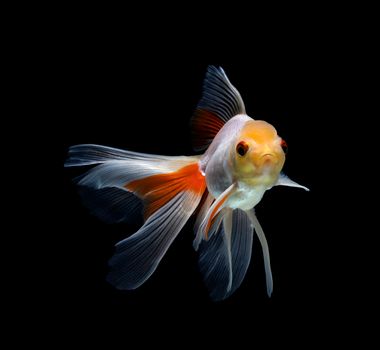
[157, 190]
[214, 210]
[225, 257]
[283, 180]
[264, 245]
[104, 187]
[137, 257]
[219, 103]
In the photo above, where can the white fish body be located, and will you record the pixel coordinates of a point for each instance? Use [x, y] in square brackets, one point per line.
[243, 158]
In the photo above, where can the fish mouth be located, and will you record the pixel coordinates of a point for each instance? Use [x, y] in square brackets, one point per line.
[267, 155]
[268, 159]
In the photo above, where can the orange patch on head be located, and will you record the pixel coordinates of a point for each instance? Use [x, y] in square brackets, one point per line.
[264, 158]
[258, 130]
[157, 190]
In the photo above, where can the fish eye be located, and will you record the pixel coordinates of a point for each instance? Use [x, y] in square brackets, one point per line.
[242, 148]
[284, 146]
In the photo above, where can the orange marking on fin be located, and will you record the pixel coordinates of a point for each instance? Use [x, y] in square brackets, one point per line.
[213, 215]
[157, 190]
[205, 126]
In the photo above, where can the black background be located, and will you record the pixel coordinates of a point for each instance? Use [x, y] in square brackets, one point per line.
[132, 81]
[147, 108]
[104, 96]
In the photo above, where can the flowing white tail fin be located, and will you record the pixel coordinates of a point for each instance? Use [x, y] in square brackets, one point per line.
[170, 189]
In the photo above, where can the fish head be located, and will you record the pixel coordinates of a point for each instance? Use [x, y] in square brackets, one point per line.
[258, 154]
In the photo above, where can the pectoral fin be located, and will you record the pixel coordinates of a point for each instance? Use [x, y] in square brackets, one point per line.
[213, 211]
[283, 180]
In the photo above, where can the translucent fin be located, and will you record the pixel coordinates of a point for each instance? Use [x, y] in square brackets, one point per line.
[227, 228]
[157, 190]
[283, 180]
[241, 247]
[88, 154]
[138, 256]
[225, 257]
[264, 245]
[111, 204]
[169, 187]
[200, 217]
[103, 192]
[220, 102]
[104, 188]
[213, 211]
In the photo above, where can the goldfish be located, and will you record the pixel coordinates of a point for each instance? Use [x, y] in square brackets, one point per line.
[242, 159]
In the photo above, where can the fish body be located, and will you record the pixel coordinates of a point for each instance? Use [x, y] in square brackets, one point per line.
[242, 159]
[223, 166]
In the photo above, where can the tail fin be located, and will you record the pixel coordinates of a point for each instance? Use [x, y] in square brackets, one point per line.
[170, 189]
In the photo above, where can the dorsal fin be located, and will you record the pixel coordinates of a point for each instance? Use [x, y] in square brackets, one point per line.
[220, 102]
